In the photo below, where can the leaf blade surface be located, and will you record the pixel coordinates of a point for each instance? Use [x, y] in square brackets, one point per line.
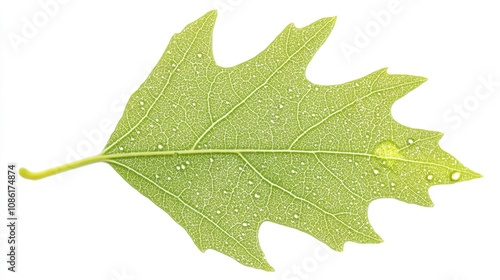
[223, 150]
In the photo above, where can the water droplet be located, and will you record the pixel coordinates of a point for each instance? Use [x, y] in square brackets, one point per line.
[455, 175]
[250, 182]
[142, 103]
[430, 177]
[160, 146]
[183, 166]
[187, 162]
[211, 160]
[281, 106]
[293, 171]
[393, 184]
[410, 141]
[375, 171]
[178, 167]
[244, 224]
[218, 211]
[257, 195]
[156, 175]
[388, 151]
[199, 55]
[168, 178]
[236, 210]
[296, 216]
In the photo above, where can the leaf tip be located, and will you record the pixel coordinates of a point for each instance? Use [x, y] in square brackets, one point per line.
[212, 13]
[474, 175]
[267, 267]
[377, 239]
[327, 22]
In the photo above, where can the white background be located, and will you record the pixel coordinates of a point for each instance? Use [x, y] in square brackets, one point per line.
[72, 77]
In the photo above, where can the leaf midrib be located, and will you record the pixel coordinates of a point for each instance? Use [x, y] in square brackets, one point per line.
[106, 157]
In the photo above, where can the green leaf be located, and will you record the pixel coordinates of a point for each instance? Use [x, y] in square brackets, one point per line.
[223, 150]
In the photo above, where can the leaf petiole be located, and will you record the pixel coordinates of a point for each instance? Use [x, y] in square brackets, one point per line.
[25, 173]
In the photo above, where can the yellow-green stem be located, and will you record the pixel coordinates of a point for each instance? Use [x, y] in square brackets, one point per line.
[65, 167]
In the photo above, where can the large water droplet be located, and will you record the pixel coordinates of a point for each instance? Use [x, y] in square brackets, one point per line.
[455, 176]
[388, 151]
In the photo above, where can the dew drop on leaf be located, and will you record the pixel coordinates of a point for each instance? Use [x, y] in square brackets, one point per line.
[455, 176]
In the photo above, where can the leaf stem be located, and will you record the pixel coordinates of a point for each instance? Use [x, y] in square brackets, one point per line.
[25, 173]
